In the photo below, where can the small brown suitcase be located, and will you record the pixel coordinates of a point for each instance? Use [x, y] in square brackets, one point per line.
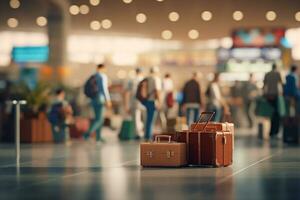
[163, 154]
[208, 147]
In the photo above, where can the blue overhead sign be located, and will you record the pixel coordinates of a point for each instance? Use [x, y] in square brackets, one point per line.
[33, 54]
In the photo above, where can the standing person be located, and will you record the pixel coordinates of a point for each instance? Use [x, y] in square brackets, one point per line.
[132, 105]
[215, 100]
[291, 89]
[152, 100]
[60, 116]
[168, 93]
[272, 90]
[192, 99]
[96, 88]
[249, 92]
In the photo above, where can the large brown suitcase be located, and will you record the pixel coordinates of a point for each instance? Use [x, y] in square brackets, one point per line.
[208, 147]
[163, 154]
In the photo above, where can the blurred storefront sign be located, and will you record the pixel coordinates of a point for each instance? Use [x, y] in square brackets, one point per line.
[30, 54]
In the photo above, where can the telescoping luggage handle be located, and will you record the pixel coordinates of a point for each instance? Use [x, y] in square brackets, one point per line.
[157, 138]
[207, 116]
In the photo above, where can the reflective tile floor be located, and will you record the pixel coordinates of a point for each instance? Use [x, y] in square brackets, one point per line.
[261, 170]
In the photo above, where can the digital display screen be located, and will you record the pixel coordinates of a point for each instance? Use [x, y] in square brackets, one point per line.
[34, 54]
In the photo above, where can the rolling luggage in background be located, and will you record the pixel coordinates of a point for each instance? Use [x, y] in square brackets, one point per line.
[163, 154]
[208, 146]
[264, 128]
[127, 130]
[291, 130]
[81, 125]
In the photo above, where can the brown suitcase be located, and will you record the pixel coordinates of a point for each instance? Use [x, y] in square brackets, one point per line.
[163, 154]
[208, 147]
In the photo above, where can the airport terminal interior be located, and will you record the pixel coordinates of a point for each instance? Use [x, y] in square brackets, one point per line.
[150, 99]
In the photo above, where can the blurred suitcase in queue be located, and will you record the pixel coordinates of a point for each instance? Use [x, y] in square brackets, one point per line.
[127, 130]
[208, 146]
[291, 130]
[80, 126]
[163, 154]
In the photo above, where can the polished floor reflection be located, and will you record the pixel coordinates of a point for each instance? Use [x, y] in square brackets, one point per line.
[261, 170]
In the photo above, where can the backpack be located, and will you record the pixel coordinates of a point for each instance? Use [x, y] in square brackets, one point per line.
[91, 88]
[170, 100]
[56, 114]
[142, 90]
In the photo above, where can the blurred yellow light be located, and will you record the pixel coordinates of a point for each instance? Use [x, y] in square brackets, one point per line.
[12, 22]
[167, 34]
[206, 15]
[14, 4]
[84, 9]
[95, 25]
[141, 18]
[173, 16]
[106, 23]
[94, 2]
[237, 15]
[74, 10]
[41, 21]
[297, 16]
[193, 34]
[271, 15]
[127, 1]
[160, 0]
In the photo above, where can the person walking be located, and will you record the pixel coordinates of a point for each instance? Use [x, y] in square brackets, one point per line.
[272, 89]
[168, 94]
[60, 117]
[291, 89]
[96, 88]
[192, 99]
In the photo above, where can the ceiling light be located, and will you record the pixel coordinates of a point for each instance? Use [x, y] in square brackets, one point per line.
[237, 15]
[74, 10]
[84, 9]
[167, 34]
[14, 4]
[141, 18]
[95, 25]
[173, 16]
[206, 15]
[106, 23]
[193, 34]
[12, 22]
[297, 16]
[127, 1]
[41, 21]
[271, 15]
[94, 2]
[160, 0]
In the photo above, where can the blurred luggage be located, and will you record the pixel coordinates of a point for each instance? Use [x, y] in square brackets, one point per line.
[80, 126]
[291, 129]
[208, 146]
[163, 154]
[264, 128]
[263, 108]
[127, 130]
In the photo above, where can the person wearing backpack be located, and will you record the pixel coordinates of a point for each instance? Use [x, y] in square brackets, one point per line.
[148, 93]
[96, 88]
[60, 116]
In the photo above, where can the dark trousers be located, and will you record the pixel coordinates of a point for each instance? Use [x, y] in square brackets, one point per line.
[275, 119]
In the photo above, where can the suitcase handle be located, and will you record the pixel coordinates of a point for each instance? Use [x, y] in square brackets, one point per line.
[157, 138]
[210, 116]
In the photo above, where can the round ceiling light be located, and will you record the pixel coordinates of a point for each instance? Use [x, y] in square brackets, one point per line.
[206, 15]
[174, 16]
[193, 34]
[237, 15]
[271, 16]
[167, 34]
[106, 23]
[141, 18]
[95, 25]
[94, 2]
[12, 22]
[41, 21]
[84, 9]
[127, 1]
[297, 16]
[14, 4]
[160, 0]
[74, 10]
